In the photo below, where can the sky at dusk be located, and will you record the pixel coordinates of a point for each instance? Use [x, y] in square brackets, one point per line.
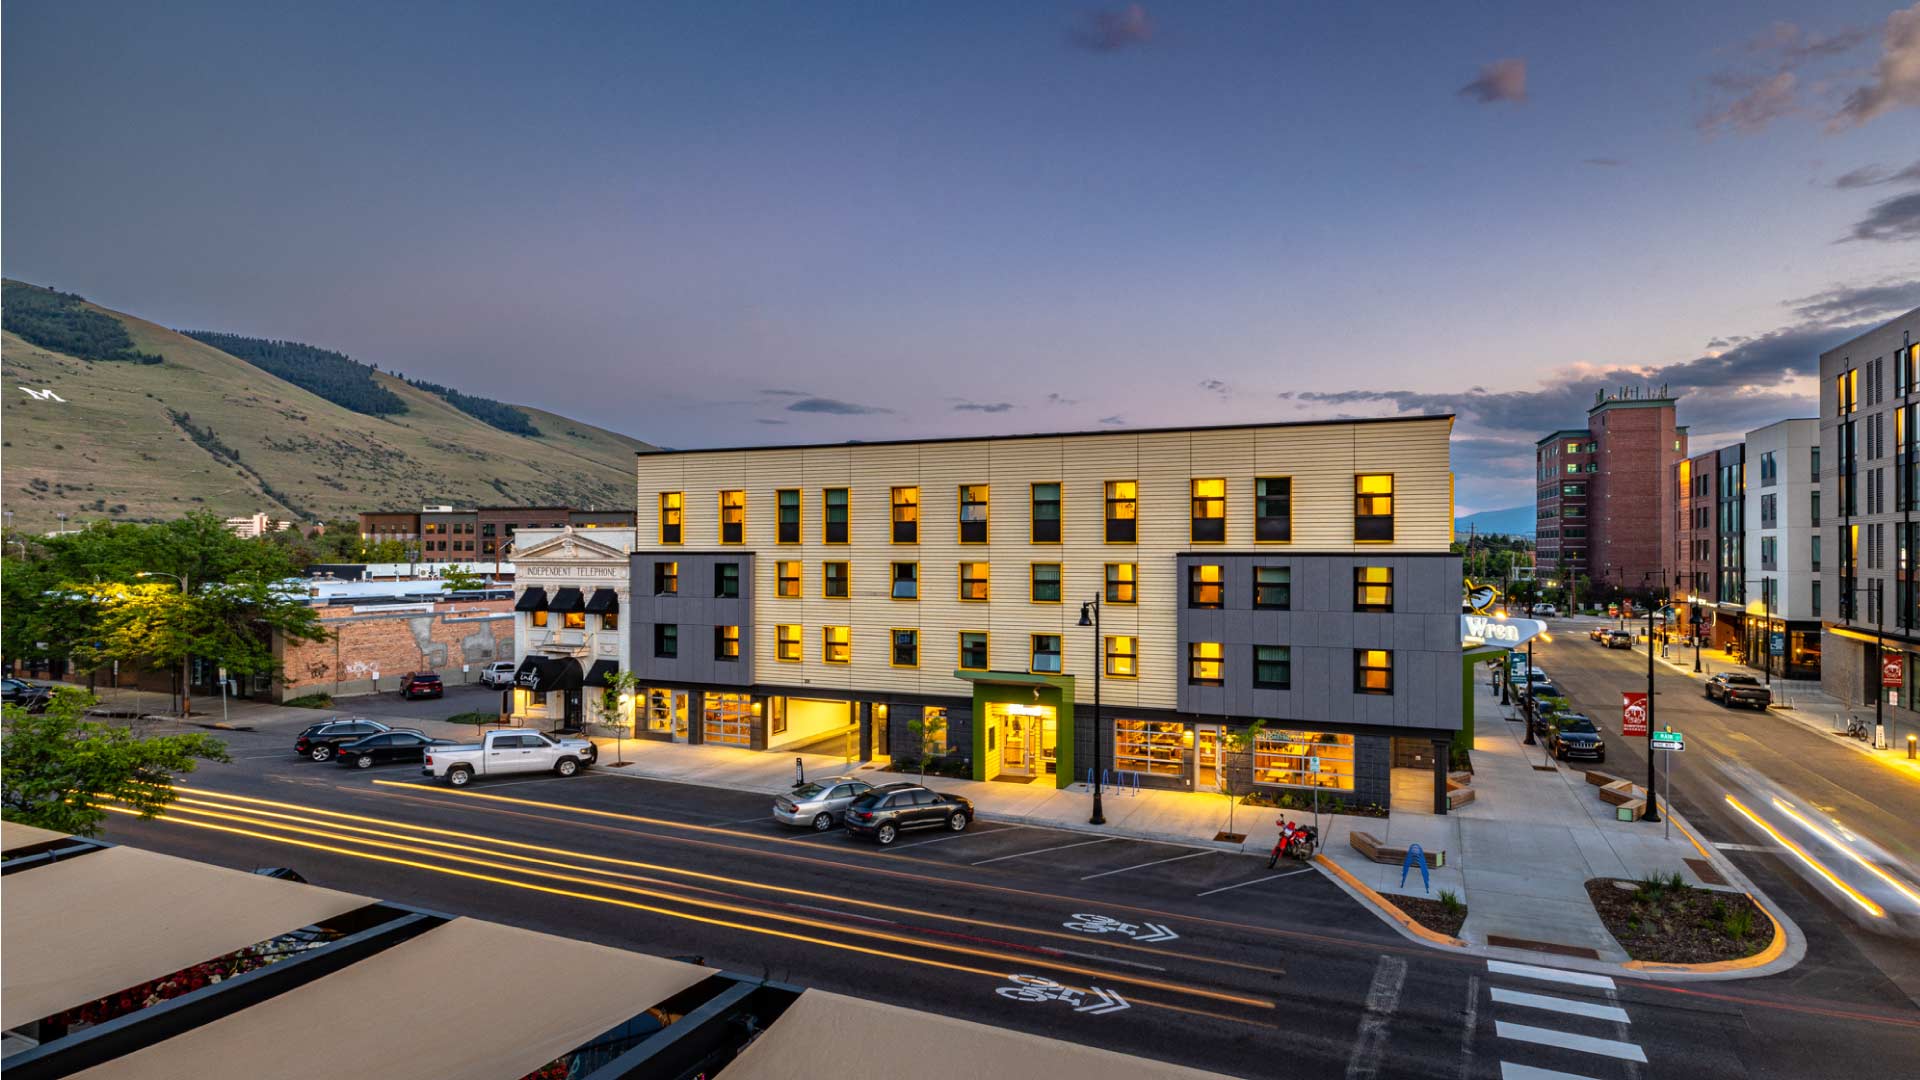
[727, 223]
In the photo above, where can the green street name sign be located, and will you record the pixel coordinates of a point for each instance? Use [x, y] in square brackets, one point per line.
[1668, 740]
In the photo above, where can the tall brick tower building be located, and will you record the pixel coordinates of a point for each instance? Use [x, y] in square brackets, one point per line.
[1628, 470]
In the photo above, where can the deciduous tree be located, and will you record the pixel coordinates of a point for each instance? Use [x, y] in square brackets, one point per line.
[58, 769]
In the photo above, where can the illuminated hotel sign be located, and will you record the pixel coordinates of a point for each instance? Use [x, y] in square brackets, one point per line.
[1476, 630]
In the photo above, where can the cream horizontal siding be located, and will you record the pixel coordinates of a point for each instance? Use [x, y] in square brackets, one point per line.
[1321, 460]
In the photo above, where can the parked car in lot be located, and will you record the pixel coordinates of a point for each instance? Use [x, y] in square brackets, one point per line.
[1619, 639]
[422, 684]
[1734, 688]
[819, 803]
[30, 696]
[1572, 735]
[891, 809]
[514, 750]
[320, 741]
[400, 744]
[1545, 611]
[1545, 687]
[498, 674]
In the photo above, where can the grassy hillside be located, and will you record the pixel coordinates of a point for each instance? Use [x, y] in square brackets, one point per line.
[206, 430]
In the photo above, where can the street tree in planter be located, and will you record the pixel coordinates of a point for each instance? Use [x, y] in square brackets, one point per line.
[925, 729]
[616, 701]
[57, 769]
[1236, 751]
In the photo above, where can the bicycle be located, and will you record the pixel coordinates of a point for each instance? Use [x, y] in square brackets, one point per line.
[1858, 729]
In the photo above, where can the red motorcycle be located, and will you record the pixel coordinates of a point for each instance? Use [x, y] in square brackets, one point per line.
[1298, 841]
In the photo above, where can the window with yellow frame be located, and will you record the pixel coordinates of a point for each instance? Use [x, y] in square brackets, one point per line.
[1209, 512]
[836, 580]
[973, 650]
[1122, 656]
[906, 515]
[787, 516]
[1123, 512]
[1373, 507]
[1046, 658]
[834, 511]
[786, 582]
[974, 509]
[733, 517]
[903, 650]
[836, 644]
[786, 643]
[670, 510]
[974, 581]
[1045, 516]
[1123, 583]
[1043, 583]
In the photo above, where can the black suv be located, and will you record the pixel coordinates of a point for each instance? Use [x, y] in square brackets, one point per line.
[890, 809]
[1574, 736]
[321, 740]
[400, 744]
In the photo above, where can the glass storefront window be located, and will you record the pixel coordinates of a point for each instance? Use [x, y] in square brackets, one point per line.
[728, 719]
[660, 710]
[1152, 747]
[1282, 758]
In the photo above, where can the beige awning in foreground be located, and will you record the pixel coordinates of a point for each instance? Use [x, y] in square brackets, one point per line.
[15, 835]
[465, 1001]
[87, 927]
[826, 1034]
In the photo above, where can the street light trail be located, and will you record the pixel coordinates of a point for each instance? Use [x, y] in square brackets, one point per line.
[734, 909]
[1853, 894]
[1846, 849]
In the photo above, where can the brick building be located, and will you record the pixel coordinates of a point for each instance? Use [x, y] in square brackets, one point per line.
[387, 641]
[1628, 460]
[1563, 464]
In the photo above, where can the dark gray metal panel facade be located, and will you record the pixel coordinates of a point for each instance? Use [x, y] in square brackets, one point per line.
[696, 611]
[1322, 630]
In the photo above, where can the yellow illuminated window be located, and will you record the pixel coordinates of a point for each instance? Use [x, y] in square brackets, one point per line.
[787, 580]
[1372, 671]
[906, 515]
[973, 581]
[786, 642]
[575, 620]
[1373, 506]
[836, 644]
[973, 513]
[733, 517]
[1206, 586]
[1206, 663]
[540, 617]
[666, 578]
[1121, 659]
[1122, 581]
[1209, 511]
[1123, 511]
[1303, 759]
[787, 516]
[670, 506]
[1373, 588]
[726, 643]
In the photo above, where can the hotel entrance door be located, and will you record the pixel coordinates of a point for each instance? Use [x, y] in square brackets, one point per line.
[1020, 750]
[1206, 757]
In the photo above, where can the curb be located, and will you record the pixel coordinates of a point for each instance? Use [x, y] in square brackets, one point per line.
[1407, 924]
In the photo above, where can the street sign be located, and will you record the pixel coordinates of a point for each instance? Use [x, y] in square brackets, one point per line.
[1633, 712]
[1516, 667]
[1777, 643]
[1668, 740]
[1892, 673]
[1613, 610]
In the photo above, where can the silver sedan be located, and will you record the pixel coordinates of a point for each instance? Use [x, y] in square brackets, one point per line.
[819, 803]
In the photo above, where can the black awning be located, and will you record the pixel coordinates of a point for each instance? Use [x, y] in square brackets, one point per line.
[602, 602]
[601, 671]
[546, 674]
[567, 601]
[531, 600]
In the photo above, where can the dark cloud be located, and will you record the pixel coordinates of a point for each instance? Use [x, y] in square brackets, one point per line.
[1605, 162]
[1858, 303]
[767, 420]
[1896, 77]
[1875, 175]
[1216, 386]
[975, 406]
[786, 393]
[1502, 80]
[834, 407]
[1894, 219]
[1114, 421]
[1111, 31]
[1061, 399]
[1761, 102]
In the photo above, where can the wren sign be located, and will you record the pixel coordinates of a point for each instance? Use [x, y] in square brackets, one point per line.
[1507, 633]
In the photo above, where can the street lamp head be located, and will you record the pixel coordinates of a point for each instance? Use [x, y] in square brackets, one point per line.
[1086, 614]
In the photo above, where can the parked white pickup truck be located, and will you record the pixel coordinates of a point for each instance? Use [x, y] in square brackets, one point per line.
[514, 750]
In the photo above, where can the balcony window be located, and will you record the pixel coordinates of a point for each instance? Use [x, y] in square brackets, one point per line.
[726, 579]
[906, 648]
[1044, 585]
[1046, 654]
[786, 643]
[1273, 587]
[973, 513]
[906, 515]
[906, 581]
[1209, 524]
[1373, 588]
[1123, 511]
[726, 643]
[833, 507]
[973, 650]
[666, 640]
[1046, 514]
[666, 578]
[974, 581]
[788, 520]
[670, 508]
[1122, 657]
[1206, 663]
[1123, 583]
[835, 580]
[787, 579]
[1205, 586]
[1273, 509]
[1373, 506]
[1372, 671]
[836, 644]
[733, 517]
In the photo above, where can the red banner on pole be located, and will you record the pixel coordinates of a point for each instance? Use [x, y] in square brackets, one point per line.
[1633, 713]
[1891, 672]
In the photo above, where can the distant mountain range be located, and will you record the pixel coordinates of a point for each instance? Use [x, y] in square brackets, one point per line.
[1513, 521]
[107, 416]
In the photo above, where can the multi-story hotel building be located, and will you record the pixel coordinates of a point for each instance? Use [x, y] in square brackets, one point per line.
[1869, 408]
[882, 596]
[1618, 473]
[1563, 467]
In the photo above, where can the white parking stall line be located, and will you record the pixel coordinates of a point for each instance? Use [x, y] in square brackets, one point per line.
[1510, 1071]
[1044, 850]
[958, 836]
[1547, 974]
[1255, 881]
[1585, 1044]
[1562, 1005]
[1144, 865]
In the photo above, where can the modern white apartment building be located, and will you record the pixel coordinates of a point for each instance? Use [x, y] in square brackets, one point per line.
[943, 592]
[1784, 552]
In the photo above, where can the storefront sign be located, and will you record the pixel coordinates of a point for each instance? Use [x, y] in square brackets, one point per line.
[1038, 988]
[1478, 630]
[1107, 924]
[1892, 674]
[1633, 713]
[1777, 643]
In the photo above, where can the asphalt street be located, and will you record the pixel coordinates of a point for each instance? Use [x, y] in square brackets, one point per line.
[1182, 954]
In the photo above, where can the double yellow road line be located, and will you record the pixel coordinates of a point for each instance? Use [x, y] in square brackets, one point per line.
[695, 896]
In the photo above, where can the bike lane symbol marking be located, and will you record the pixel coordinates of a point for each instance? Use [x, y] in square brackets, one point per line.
[1107, 924]
[1035, 989]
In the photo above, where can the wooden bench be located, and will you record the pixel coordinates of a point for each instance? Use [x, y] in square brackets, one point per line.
[1602, 779]
[1370, 846]
[1619, 793]
[1631, 810]
[1459, 789]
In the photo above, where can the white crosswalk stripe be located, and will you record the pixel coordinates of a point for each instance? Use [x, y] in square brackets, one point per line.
[1571, 978]
[1586, 1044]
[1502, 996]
[1578, 1019]
[1510, 1071]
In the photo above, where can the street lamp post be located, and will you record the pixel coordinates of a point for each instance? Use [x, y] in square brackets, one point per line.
[186, 691]
[1529, 710]
[1090, 616]
[1653, 804]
